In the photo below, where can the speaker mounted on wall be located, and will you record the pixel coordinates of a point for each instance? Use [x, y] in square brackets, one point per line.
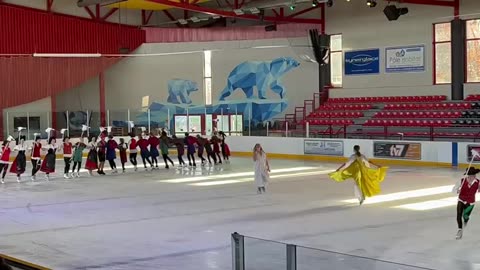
[393, 13]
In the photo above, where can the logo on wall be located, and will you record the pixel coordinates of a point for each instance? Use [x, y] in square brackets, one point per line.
[362, 62]
[323, 147]
[405, 59]
[397, 150]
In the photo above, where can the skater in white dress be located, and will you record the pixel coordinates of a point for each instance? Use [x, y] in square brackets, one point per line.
[262, 168]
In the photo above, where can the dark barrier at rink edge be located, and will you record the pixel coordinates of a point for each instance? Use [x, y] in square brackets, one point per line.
[397, 150]
[250, 253]
[19, 264]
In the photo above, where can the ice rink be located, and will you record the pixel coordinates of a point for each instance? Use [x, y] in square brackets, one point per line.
[182, 219]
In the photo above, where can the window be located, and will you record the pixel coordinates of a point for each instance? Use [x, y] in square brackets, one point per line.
[33, 122]
[207, 76]
[336, 60]
[473, 50]
[442, 53]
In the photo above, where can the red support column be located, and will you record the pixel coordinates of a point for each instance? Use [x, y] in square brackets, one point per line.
[101, 88]
[53, 102]
[49, 5]
[322, 13]
[456, 8]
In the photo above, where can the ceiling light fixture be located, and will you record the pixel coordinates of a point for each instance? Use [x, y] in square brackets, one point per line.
[371, 3]
[329, 3]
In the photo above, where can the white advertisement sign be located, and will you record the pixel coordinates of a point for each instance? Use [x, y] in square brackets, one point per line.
[405, 59]
[323, 147]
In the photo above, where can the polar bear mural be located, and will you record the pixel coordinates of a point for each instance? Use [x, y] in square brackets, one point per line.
[179, 88]
[259, 74]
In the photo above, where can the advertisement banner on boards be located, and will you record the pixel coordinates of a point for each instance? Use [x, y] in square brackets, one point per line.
[362, 62]
[323, 147]
[471, 147]
[396, 150]
[405, 59]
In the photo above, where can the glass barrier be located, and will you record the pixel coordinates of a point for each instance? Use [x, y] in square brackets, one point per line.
[234, 121]
[250, 253]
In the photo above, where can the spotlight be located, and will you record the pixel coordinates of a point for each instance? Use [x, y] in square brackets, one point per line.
[371, 3]
[314, 3]
[329, 3]
[292, 7]
[393, 13]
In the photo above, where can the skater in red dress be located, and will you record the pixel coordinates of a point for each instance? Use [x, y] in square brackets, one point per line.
[92, 158]
[132, 147]
[5, 157]
[48, 164]
[144, 152]
[35, 156]
[122, 147]
[224, 146]
[20, 162]
[216, 146]
[67, 148]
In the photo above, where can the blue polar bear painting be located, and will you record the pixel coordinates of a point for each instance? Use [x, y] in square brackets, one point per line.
[247, 76]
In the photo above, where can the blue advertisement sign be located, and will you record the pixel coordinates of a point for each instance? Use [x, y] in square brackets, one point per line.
[362, 62]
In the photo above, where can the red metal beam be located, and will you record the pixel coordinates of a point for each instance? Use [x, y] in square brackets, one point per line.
[89, 11]
[456, 10]
[235, 4]
[61, 14]
[303, 11]
[109, 13]
[276, 13]
[282, 12]
[146, 16]
[231, 14]
[49, 5]
[322, 15]
[97, 11]
[53, 105]
[101, 88]
[169, 15]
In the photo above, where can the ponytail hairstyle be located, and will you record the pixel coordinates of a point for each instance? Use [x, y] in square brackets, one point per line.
[356, 149]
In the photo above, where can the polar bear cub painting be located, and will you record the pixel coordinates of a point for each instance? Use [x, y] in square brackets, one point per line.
[179, 88]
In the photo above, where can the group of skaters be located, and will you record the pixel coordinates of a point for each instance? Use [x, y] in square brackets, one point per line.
[104, 148]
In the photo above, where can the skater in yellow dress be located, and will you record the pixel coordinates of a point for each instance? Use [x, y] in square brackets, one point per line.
[367, 179]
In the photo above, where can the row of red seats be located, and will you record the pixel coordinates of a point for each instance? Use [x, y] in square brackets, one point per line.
[409, 123]
[336, 114]
[387, 99]
[474, 97]
[427, 134]
[419, 106]
[338, 107]
[327, 122]
[427, 114]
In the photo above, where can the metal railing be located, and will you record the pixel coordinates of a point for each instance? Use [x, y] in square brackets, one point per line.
[250, 253]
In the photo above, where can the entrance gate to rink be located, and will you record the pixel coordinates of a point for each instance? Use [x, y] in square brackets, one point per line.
[250, 253]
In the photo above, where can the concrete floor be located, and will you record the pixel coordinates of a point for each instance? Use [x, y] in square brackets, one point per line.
[182, 220]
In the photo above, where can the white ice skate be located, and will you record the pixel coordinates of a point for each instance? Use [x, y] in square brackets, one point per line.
[459, 234]
[3, 181]
[18, 179]
[33, 178]
[65, 176]
[47, 177]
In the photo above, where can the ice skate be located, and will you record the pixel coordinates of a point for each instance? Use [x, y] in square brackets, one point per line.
[65, 176]
[459, 234]
[3, 181]
[18, 179]
[33, 178]
[47, 177]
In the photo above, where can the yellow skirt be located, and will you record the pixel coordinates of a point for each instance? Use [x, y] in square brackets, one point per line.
[367, 179]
